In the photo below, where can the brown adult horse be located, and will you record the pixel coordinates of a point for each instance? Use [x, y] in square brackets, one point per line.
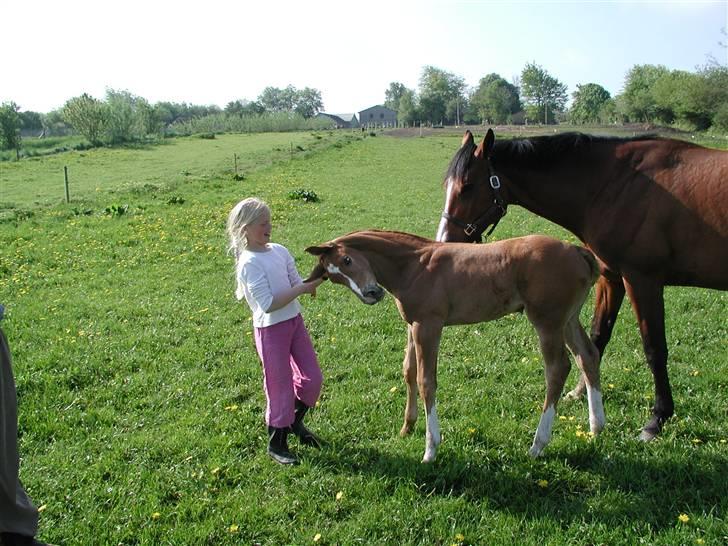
[438, 284]
[653, 210]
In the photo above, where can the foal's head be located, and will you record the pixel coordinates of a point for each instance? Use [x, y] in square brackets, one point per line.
[347, 266]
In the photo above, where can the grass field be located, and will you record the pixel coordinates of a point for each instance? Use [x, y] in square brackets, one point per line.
[140, 391]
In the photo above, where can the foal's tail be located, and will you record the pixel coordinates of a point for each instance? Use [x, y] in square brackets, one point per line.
[591, 261]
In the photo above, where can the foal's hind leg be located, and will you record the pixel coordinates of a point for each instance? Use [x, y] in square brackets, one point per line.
[609, 294]
[587, 358]
[557, 366]
[409, 372]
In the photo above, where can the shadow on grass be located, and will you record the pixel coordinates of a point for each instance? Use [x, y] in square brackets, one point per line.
[582, 485]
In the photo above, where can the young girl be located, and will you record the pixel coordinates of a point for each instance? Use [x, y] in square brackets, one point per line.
[268, 279]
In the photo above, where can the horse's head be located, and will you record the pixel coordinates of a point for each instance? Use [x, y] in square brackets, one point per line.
[347, 266]
[472, 198]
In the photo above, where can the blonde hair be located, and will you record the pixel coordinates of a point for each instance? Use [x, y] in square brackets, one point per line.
[243, 214]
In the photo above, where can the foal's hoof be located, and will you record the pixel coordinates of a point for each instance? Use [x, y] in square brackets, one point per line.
[535, 451]
[575, 394]
[406, 430]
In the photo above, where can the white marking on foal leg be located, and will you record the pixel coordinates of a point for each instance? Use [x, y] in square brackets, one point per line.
[443, 222]
[432, 437]
[336, 271]
[543, 432]
[596, 410]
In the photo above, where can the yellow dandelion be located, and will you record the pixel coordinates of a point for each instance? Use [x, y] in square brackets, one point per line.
[696, 373]
[697, 441]
[339, 495]
[216, 471]
[684, 518]
[233, 528]
[460, 537]
[317, 537]
[610, 385]
[42, 507]
[156, 515]
[393, 389]
[231, 408]
[543, 483]
[562, 417]
[699, 541]
[472, 431]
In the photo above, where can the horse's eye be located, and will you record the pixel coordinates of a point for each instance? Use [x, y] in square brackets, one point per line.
[347, 260]
[467, 188]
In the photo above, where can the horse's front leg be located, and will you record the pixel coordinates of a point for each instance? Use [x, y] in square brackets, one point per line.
[609, 294]
[426, 338]
[409, 372]
[649, 307]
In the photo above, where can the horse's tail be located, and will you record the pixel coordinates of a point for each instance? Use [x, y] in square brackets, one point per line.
[591, 261]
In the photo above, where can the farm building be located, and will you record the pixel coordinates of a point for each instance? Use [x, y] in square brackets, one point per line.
[340, 121]
[378, 116]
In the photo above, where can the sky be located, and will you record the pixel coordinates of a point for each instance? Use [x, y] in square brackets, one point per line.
[214, 51]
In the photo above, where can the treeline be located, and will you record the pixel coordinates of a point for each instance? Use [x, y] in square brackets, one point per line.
[651, 94]
[123, 117]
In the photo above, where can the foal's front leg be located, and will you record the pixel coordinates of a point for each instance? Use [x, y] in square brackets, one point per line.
[426, 338]
[409, 372]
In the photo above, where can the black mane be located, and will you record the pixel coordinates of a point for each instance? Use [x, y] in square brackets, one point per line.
[537, 152]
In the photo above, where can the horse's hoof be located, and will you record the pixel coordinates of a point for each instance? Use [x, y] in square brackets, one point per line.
[535, 451]
[647, 435]
[652, 429]
[406, 430]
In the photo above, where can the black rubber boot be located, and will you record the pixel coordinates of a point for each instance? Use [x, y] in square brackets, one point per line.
[304, 435]
[278, 446]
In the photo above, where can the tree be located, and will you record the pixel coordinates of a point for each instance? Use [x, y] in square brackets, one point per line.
[10, 124]
[308, 102]
[589, 102]
[495, 100]
[638, 99]
[393, 95]
[86, 115]
[543, 94]
[407, 111]
[441, 95]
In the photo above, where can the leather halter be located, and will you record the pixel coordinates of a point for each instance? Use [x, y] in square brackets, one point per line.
[490, 217]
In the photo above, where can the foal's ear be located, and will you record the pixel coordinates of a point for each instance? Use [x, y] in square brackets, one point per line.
[467, 138]
[320, 249]
[317, 273]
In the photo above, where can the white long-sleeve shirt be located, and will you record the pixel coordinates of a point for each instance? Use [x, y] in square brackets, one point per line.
[264, 274]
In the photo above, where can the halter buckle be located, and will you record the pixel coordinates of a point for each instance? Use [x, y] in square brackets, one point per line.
[495, 182]
[469, 229]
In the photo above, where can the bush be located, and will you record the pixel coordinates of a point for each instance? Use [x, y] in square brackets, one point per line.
[720, 118]
[309, 196]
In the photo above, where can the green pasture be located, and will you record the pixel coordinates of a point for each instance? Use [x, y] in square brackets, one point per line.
[141, 405]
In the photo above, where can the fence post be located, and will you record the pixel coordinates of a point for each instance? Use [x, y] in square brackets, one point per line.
[65, 177]
[236, 164]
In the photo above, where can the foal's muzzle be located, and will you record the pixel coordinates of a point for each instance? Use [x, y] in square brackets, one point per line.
[372, 294]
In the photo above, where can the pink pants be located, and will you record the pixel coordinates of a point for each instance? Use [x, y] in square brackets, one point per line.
[290, 369]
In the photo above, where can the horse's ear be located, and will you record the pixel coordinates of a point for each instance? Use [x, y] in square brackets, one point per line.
[320, 249]
[485, 147]
[467, 138]
[488, 142]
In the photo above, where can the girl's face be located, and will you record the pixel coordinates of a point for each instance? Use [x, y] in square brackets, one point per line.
[258, 232]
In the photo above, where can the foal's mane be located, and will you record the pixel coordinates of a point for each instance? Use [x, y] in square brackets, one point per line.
[535, 152]
[361, 240]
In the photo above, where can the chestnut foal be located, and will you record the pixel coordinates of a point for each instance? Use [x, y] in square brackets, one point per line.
[437, 284]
